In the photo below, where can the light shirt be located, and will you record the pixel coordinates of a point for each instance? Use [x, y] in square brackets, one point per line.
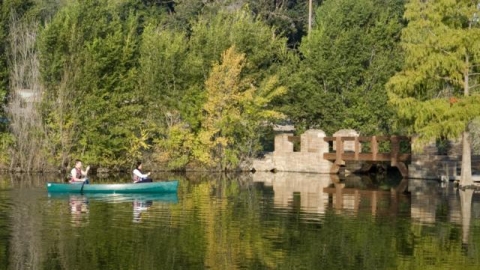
[73, 173]
[83, 173]
[139, 174]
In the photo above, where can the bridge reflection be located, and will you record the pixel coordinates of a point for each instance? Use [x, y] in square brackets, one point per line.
[423, 200]
[434, 202]
[287, 185]
[317, 193]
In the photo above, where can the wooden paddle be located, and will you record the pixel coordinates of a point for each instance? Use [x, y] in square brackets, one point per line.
[86, 179]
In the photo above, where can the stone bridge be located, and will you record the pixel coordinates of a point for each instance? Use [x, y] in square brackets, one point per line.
[318, 153]
[315, 152]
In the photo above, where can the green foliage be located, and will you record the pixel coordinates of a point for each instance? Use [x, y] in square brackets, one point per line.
[6, 142]
[99, 78]
[347, 59]
[187, 11]
[233, 113]
[175, 66]
[289, 18]
[122, 77]
[212, 36]
[441, 60]
[174, 148]
[89, 69]
[164, 74]
[474, 128]
[234, 110]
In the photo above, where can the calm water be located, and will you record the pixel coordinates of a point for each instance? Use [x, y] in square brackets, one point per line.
[260, 221]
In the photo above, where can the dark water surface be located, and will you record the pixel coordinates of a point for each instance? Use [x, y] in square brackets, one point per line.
[259, 221]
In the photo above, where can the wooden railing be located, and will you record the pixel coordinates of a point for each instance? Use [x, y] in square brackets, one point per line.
[394, 156]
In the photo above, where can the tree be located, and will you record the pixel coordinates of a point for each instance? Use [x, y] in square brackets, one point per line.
[89, 70]
[212, 35]
[25, 94]
[176, 64]
[288, 17]
[233, 111]
[349, 56]
[163, 74]
[435, 92]
[7, 8]
[22, 88]
[26, 10]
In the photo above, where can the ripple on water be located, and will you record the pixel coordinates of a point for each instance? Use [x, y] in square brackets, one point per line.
[111, 210]
[268, 230]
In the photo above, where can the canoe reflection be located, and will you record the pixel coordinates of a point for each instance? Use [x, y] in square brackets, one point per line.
[119, 198]
[80, 209]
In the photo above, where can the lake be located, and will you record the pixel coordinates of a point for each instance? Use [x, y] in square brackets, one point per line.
[245, 221]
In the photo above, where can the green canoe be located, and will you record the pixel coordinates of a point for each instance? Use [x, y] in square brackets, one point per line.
[154, 187]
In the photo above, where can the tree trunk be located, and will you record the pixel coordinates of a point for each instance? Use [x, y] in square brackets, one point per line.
[466, 176]
[309, 17]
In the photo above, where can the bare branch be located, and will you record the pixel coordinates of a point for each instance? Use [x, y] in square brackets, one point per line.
[26, 92]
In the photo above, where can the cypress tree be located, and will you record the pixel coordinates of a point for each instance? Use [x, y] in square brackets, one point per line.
[436, 92]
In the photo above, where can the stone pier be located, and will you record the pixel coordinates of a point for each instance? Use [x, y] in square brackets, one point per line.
[308, 158]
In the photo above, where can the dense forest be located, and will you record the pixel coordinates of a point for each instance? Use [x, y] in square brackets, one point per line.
[199, 84]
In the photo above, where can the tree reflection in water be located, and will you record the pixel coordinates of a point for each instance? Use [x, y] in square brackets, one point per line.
[260, 221]
[466, 209]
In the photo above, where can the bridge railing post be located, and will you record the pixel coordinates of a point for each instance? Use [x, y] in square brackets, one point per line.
[339, 150]
[395, 154]
[357, 148]
[374, 146]
[395, 150]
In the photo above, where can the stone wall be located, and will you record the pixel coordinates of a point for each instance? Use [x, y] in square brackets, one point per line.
[308, 159]
[431, 163]
[348, 145]
[282, 143]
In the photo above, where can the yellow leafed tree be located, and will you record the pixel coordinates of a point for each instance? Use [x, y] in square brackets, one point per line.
[234, 111]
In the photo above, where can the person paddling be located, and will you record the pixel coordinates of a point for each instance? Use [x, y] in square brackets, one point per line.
[138, 176]
[79, 176]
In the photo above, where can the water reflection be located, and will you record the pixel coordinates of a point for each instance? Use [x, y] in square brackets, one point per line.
[140, 206]
[304, 189]
[432, 202]
[25, 237]
[426, 202]
[79, 210]
[466, 206]
[245, 223]
[316, 193]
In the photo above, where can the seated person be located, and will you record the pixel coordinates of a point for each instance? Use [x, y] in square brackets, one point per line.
[138, 176]
[79, 176]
